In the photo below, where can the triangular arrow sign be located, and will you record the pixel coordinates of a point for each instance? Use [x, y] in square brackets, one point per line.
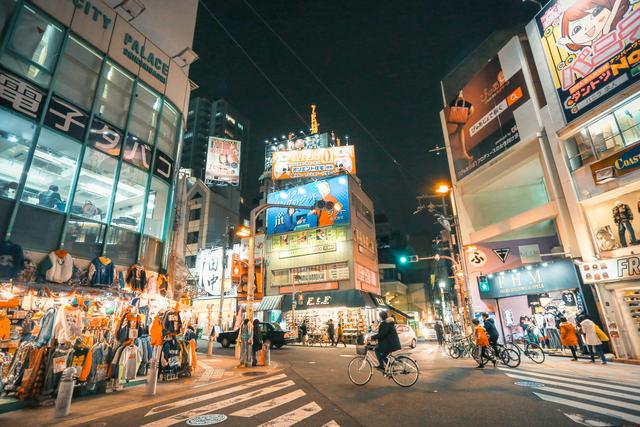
[502, 253]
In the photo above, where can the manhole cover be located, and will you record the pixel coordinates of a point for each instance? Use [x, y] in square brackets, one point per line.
[529, 384]
[254, 374]
[206, 420]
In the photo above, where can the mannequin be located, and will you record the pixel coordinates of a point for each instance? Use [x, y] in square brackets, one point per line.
[623, 216]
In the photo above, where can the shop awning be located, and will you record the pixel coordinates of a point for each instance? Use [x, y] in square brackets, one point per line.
[401, 313]
[379, 301]
[272, 302]
[312, 300]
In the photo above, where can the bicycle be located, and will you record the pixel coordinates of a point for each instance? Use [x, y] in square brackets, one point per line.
[508, 356]
[532, 350]
[400, 367]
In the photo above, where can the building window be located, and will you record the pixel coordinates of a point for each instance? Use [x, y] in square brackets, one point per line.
[628, 118]
[78, 73]
[192, 237]
[122, 245]
[15, 140]
[34, 46]
[194, 214]
[114, 95]
[605, 135]
[579, 150]
[127, 209]
[52, 171]
[84, 238]
[144, 116]
[156, 209]
[168, 129]
[95, 184]
[190, 261]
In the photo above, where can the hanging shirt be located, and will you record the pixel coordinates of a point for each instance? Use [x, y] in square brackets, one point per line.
[68, 324]
[11, 260]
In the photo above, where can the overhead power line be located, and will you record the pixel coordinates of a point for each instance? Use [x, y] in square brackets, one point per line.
[255, 64]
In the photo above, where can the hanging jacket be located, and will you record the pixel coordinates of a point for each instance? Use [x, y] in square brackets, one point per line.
[136, 277]
[156, 331]
[5, 328]
[61, 268]
[11, 260]
[170, 356]
[46, 328]
[171, 323]
[129, 362]
[102, 271]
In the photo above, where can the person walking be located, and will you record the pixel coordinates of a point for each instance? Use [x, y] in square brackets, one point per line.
[568, 336]
[492, 331]
[257, 342]
[340, 338]
[439, 333]
[304, 332]
[591, 339]
[246, 342]
[482, 341]
[331, 331]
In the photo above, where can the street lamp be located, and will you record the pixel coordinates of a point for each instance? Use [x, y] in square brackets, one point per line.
[243, 231]
[442, 189]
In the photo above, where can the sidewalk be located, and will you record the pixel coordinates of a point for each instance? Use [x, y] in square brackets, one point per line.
[212, 371]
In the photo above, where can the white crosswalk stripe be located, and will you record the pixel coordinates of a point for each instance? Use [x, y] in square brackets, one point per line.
[603, 397]
[265, 402]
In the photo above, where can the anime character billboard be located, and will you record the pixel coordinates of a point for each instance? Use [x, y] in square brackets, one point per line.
[592, 50]
[330, 197]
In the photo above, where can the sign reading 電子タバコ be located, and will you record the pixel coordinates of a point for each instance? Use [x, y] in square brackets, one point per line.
[592, 50]
[20, 96]
[137, 51]
[67, 118]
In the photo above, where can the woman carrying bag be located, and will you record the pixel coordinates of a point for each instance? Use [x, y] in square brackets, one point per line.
[591, 338]
[246, 342]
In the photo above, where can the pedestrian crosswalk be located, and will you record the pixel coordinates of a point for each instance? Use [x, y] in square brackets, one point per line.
[273, 400]
[620, 400]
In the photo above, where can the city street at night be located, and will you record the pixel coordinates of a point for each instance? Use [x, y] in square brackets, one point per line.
[310, 385]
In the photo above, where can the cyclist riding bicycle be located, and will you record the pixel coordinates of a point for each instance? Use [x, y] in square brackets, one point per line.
[387, 337]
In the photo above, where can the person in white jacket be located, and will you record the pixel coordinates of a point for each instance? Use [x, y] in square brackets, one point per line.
[588, 329]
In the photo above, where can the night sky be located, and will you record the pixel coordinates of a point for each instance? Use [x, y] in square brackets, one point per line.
[383, 59]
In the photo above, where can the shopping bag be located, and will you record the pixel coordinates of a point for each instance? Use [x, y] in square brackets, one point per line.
[601, 335]
[458, 113]
[261, 356]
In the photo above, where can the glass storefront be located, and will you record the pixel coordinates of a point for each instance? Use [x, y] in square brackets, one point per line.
[86, 148]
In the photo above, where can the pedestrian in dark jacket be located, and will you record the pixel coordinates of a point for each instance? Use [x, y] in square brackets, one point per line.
[387, 337]
[439, 332]
[304, 332]
[492, 331]
[331, 331]
[257, 341]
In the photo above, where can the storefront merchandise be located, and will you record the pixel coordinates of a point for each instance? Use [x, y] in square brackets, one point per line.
[101, 272]
[11, 259]
[136, 278]
[57, 267]
[104, 334]
[613, 222]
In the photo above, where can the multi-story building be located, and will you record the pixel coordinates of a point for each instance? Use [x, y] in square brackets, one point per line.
[93, 97]
[517, 226]
[593, 125]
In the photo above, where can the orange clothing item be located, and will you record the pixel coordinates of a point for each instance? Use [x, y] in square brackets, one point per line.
[194, 358]
[482, 339]
[568, 334]
[5, 328]
[156, 332]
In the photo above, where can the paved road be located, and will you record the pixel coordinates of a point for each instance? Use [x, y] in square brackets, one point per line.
[310, 387]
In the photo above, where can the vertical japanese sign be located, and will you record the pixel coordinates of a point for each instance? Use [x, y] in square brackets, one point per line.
[209, 266]
[592, 50]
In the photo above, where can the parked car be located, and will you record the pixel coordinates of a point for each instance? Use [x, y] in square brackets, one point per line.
[407, 336]
[271, 332]
[429, 331]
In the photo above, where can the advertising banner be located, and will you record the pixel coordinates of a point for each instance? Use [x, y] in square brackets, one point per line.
[308, 242]
[611, 270]
[291, 143]
[591, 48]
[480, 121]
[311, 274]
[334, 192]
[535, 279]
[223, 161]
[209, 267]
[317, 162]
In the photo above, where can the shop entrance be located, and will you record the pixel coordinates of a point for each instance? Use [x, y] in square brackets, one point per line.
[621, 302]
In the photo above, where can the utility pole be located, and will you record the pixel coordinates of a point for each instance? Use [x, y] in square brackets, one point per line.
[224, 270]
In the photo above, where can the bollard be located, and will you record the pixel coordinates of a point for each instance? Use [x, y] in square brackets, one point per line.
[65, 393]
[266, 348]
[210, 346]
[152, 376]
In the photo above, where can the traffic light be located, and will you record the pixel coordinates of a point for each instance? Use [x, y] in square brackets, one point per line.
[483, 283]
[404, 260]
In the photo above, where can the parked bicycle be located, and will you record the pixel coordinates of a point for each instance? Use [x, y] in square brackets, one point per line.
[400, 367]
[465, 346]
[530, 349]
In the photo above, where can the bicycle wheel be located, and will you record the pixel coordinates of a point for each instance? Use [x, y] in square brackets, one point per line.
[360, 370]
[535, 353]
[512, 346]
[404, 371]
[510, 358]
[455, 352]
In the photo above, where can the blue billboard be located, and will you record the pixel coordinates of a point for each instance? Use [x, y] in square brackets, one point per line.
[332, 193]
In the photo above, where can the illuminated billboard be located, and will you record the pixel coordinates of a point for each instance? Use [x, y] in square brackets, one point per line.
[592, 49]
[310, 163]
[307, 242]
[294, 143]
[223, 161]
[331, 192]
